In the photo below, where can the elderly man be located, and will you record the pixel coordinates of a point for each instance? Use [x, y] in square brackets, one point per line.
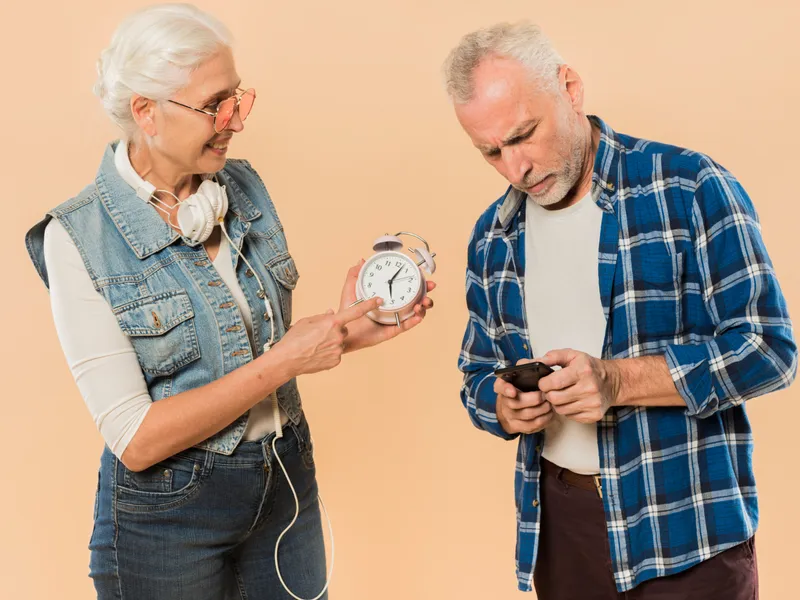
[636, 270]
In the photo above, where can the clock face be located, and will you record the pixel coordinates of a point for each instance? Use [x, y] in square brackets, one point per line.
[392, 276]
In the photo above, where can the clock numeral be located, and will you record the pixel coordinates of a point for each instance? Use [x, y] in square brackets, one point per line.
[409, 289]
[402, 297]
[388, 262]
[369, 285]
[398, 264]
[372, 274]
[378, 267]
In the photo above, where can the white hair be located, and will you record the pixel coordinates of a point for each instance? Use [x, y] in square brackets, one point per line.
[522, 41]
[152, 53]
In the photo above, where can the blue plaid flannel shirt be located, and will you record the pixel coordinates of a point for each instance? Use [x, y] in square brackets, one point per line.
[683, 272]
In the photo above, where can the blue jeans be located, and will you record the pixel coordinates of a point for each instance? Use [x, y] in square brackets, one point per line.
[203, 526]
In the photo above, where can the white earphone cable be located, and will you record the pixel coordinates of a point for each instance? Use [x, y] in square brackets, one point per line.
[261, 287]
[276, 413]
[288, 527]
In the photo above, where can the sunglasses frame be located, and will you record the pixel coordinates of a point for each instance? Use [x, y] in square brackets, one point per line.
[237, 98]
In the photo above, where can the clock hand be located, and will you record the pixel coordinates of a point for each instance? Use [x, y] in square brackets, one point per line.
[391, 280]
[395, 275]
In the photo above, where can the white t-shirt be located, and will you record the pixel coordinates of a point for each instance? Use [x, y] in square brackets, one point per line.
[564, 310]
[103, 362]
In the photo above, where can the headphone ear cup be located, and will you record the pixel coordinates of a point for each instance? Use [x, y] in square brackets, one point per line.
[208, 217]
[188, 217]
[216, 196]
[196, 218]
[223, 205]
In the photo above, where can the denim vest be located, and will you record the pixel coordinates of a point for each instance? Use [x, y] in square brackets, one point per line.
[167, 296]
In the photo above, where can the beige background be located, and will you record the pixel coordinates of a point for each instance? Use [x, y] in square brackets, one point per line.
[351, 129]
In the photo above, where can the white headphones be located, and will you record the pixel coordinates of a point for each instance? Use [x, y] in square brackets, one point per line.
[197, 216]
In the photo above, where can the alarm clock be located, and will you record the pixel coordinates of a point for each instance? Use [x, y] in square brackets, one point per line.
[396, 277]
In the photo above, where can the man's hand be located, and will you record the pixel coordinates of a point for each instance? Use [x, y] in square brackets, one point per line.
[521, 412]
[584, 388]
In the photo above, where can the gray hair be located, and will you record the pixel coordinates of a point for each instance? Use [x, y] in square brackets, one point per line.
[522, 41]
[152, 53]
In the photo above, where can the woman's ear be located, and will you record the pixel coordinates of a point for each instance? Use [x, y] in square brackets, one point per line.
[143, 111]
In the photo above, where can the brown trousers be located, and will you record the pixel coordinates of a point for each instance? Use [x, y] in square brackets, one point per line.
[574, 561]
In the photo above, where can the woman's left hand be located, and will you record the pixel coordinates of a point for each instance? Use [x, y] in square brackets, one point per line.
[365, 332]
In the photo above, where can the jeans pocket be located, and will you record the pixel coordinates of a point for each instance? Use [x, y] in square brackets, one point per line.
[97, 497]
[167, 484]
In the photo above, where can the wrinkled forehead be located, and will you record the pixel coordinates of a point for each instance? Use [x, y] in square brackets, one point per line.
[505, 96]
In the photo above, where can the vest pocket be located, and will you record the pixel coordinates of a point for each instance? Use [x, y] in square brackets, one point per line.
[162, 331]
[285, 273]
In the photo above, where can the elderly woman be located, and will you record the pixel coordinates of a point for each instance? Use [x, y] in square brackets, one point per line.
[177, 332]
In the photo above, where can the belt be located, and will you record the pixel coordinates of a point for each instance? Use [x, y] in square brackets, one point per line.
[592, 483]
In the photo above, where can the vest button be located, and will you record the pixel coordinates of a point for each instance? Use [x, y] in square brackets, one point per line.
[260, 293]
[249, 272]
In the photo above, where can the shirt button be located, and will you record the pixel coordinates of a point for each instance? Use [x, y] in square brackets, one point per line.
[249, 272]
[525, 346]
[535, 503]
[610, 186]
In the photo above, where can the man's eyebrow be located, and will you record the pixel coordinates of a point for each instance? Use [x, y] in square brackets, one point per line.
[518, 131]
[522, 128]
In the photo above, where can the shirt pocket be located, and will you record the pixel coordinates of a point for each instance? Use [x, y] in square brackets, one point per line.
[162, 330]
[657, 291]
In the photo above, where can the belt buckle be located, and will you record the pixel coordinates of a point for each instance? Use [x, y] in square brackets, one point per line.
[598, 483]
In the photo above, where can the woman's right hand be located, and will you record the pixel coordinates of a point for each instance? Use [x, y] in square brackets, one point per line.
[317, 343]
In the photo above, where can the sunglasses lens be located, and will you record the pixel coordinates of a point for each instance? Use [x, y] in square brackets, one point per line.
[224, 114]
[246, 103]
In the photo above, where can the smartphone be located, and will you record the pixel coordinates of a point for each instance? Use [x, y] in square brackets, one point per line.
[525, 377]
